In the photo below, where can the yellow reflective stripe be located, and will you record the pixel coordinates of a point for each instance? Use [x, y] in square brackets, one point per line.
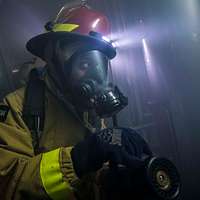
[65, 27]
[52, 178]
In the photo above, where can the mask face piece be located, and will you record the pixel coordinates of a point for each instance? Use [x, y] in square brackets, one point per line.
[89, 86]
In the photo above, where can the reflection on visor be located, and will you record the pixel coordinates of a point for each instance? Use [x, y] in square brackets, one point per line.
[90, 65]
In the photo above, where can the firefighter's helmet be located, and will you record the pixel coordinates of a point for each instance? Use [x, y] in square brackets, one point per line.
[78, 23]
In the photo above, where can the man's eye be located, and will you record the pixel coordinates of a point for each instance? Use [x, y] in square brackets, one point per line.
[84, 66]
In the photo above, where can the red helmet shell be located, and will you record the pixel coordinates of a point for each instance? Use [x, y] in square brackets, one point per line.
[86, 18]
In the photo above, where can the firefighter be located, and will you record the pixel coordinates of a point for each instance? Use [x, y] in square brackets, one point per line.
[47, 148]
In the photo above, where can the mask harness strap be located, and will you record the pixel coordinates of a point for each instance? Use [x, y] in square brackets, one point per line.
[34, 106]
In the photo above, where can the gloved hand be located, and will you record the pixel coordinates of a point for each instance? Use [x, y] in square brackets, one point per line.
[122, 181]
[90, 154]
[132, 144]
[119, 146]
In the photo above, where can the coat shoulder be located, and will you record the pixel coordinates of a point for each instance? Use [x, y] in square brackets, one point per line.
[15, 100]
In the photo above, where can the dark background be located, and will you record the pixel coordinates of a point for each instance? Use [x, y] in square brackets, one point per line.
[163, 90]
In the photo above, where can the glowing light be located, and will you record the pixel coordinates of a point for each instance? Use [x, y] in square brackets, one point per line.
[126, 39]
[151, 66]
[123, 43]
[106, 39]
[115, 44]
[95, 23]
[15, 70]
[146, 52]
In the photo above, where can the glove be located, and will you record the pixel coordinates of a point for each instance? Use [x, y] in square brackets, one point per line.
[119, 146]
[121, 182]
[134, 149]
[90, 154]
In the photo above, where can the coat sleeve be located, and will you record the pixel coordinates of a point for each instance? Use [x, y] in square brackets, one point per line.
[24, 175]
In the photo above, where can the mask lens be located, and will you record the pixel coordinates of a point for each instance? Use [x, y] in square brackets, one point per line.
[90, 65]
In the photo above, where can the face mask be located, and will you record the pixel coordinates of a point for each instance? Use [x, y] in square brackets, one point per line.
[90, 86]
